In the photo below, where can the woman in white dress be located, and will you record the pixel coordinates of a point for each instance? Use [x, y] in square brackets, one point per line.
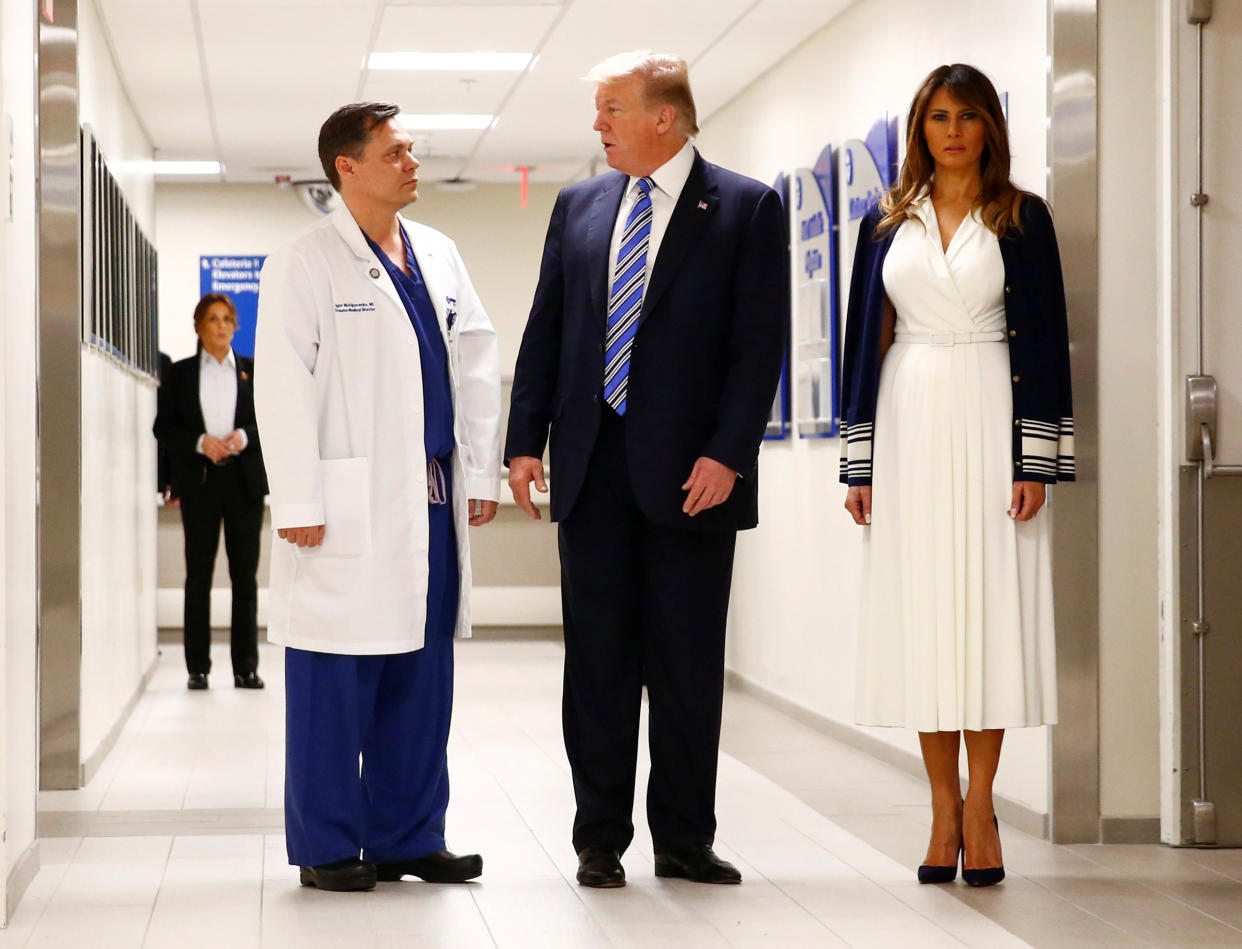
[956, 415]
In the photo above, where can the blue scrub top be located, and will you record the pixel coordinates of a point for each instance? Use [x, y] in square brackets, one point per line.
[438, 436]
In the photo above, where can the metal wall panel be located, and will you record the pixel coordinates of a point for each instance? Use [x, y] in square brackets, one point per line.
[1072, 189]
[59, 396]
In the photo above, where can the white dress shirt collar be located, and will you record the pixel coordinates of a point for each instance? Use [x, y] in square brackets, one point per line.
[207, 359]
[671, 176]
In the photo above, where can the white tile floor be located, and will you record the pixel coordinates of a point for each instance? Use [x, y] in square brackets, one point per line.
[176, 843]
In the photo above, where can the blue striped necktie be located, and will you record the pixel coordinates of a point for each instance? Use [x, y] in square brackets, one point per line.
[625, 303]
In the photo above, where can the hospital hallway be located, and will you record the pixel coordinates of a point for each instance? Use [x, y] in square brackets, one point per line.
[177, 841]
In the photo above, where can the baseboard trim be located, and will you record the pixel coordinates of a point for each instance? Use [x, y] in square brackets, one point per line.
[96, 758]
[1129, 830]
[158, 823]
[1018, 815]
[23, 872]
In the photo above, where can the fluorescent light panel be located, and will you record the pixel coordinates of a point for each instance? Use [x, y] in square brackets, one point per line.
[187, 167]
[451, 62]
[445, 122]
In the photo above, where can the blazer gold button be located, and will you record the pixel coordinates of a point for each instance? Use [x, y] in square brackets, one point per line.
[374, 273]
[1006, 289]
[1017, 422]
[1013, 333]
[1017, 378]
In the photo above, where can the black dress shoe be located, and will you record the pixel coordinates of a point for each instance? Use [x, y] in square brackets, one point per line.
[985, 876]
[197, 681]
[438, 867]
[342, 876]
[600, 867]
[248, 680]
[699, 864]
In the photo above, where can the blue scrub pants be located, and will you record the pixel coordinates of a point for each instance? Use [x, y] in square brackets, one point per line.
[394, 712]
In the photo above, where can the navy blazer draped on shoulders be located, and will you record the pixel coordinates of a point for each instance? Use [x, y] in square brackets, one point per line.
[1037, 333]
[706, 359]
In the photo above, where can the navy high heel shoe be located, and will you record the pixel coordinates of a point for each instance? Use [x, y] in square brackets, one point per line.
[930, 873]
[987, 876]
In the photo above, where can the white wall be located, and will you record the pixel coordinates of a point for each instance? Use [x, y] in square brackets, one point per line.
[18, 340]
[1130, 40]
[500, 241]
[118, 450]
[796, 581]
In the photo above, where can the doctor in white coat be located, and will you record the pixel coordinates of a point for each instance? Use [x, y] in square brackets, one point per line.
[377, 392]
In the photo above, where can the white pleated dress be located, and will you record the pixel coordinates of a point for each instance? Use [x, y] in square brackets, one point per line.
[956, 624]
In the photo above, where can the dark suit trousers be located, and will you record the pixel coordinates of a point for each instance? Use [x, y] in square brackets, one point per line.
[223, 497]
[643, 604]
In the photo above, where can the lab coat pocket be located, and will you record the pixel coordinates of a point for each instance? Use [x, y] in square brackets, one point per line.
[346, 509]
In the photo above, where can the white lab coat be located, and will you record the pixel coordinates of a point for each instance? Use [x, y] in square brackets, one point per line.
[339, 398]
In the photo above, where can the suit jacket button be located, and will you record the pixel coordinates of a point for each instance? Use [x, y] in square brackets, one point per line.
[1017, 378]
[1013, 333]
[1007, 290]
[595, 399]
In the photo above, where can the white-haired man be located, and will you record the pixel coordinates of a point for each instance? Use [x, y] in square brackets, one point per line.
[652, 354]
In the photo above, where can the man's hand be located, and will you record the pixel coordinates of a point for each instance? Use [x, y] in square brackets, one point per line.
[710, 483]
[1028, 498]
[522, 471]
[858, 503]
[235, 442]
[302, 536]
[481, 512]
[215, 449]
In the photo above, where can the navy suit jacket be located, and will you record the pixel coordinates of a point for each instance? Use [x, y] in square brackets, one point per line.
[705, 362]
[179, 423]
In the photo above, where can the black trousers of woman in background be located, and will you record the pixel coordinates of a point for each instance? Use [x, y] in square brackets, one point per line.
[224, 497]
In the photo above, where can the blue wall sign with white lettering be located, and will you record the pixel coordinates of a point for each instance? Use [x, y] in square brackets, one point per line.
[778, 418]
[815, 297]
[236, 276]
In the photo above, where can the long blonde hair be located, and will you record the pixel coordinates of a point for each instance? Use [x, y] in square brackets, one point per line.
[1000, 201]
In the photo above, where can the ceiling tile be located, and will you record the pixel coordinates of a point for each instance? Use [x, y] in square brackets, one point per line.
[464, 28]
[157, 58]
[420, 92]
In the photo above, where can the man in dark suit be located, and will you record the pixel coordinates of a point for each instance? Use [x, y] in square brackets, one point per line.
[652, 352]
[206, 425]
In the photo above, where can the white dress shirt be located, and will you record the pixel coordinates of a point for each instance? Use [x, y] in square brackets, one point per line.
[669, 179]
[217, 396]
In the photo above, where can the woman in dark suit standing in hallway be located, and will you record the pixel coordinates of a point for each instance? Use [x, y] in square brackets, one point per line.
[206, 424]
[956, 394]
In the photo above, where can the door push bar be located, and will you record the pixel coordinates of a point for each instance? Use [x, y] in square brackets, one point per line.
[1201, 413]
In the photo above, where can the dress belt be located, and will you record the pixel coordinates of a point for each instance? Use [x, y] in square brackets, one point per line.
[949, 339]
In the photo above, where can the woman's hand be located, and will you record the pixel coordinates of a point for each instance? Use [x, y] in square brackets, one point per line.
[1028, 498]
[858, 503]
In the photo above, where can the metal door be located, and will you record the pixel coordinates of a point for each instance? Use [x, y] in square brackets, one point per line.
[1209, 192]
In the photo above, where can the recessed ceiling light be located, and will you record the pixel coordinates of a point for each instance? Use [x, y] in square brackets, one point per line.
[452, 62]
[187, 167]
[445, 122]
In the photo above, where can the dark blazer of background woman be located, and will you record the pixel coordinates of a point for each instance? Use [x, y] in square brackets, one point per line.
[179, 425]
